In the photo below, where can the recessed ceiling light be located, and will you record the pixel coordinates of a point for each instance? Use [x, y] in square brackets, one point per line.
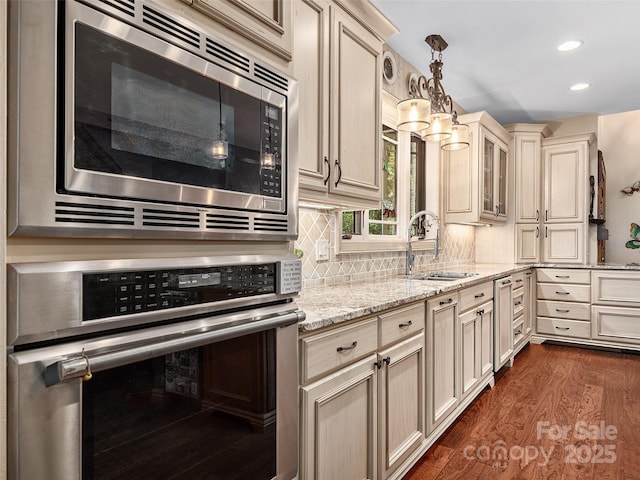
[570, 45]
[579, 86]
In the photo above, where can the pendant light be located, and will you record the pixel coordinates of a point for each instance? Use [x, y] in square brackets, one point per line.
[437, 122]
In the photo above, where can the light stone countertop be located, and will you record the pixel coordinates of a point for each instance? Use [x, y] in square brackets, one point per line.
[327, 306]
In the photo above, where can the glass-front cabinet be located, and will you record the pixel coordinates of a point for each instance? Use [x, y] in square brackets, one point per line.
[475, 179]
[494, 177]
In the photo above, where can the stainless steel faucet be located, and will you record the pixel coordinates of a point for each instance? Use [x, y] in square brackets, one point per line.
[410, 256]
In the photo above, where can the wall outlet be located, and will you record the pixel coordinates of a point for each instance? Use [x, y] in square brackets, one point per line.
[322, 250]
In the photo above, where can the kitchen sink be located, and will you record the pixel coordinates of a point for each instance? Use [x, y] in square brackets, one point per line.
[443, 276]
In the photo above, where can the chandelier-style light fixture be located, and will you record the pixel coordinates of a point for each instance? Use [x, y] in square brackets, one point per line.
[432, 116]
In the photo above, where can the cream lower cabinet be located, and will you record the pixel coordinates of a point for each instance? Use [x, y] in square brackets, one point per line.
[363, 397]
[615, 309]
[443, 358]
[338, 63]
[503, 322]
[476, 331]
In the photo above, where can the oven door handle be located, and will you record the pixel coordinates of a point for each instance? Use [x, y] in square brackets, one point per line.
[83, 365]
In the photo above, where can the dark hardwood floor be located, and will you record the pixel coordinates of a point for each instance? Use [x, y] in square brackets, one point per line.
[559, 413]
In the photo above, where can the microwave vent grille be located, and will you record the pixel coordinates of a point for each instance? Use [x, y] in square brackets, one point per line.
[170, 219]
[67, 212]
[170, 26]
[270, 225]
[227, 55]
[271, 77]
[228, 222]
[125, 6]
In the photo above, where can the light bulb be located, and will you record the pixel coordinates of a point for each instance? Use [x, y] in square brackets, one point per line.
[413, 112]
[220, 150]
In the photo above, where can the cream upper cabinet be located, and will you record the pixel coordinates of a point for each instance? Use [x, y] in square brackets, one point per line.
[566, 197]
[526, 150]
[475, 179]
[565, 181]
[337, 61]
[266, 23]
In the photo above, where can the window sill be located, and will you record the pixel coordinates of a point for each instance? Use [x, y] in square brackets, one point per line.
[355, 245]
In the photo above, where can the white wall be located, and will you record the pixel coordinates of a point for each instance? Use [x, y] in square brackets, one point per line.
[619, 141]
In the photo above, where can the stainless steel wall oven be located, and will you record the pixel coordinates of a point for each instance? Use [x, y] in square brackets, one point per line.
[127, 120]
[147, 369]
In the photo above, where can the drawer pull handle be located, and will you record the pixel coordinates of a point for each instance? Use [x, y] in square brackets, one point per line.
[563, 293]
[519, 280]
[562, 328]
[479, 296]
[342, 349]
[562, 311]
[446, 302]
[480, 312]
[517, 303]
[405, 325]
[563, 276]
[517, 332]
[528, 274]
[506, 282]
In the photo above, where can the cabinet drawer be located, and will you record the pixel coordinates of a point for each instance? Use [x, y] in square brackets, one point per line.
[564, 293]
[616, 288]
[564, 328]
[518, 301]
[518, 331]
[473, 296]
[518, 280]
[616, 324]
[571, 310]
[568, 275]
[336, 348]
[401, 323]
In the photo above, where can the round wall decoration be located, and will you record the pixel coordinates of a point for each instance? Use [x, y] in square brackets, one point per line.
[389, 67]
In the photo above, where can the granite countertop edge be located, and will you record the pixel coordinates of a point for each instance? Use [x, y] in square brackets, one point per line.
[331, 305]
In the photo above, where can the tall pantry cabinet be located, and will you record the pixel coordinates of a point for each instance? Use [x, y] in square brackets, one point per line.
[551, 195]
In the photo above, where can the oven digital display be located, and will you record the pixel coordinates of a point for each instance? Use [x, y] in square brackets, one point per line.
[199, 280]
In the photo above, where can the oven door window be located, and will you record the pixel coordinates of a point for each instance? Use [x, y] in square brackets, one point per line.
[139, 115]
[201, 413]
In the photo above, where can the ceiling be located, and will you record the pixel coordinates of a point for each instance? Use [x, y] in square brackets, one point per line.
[502, 55]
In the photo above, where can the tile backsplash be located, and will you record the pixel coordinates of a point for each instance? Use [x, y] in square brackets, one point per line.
[457, 248]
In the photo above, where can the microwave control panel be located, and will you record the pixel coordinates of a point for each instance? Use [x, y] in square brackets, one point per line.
[123, 293]
[271, 171]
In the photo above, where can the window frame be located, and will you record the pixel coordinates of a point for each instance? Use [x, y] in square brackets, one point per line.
[365, 242]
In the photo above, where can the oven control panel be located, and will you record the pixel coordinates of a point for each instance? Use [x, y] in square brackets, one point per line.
[123, 293]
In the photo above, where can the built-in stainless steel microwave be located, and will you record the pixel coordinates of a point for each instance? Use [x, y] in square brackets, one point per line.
[127, 120]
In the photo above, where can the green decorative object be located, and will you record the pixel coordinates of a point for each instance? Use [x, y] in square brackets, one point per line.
[635, 237]
[298, 252]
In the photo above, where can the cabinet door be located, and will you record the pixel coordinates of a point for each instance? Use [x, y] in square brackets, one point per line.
[470, 350]
[493, 189]
[503, 314]
[564, 243]
[527, 243]
[311, 68]
[565, 179]
[443, 358]
[339, 425]
[529, 301]
[486, 339]
[527, 177]
[355, 109]
[265, 22]
[401, 400]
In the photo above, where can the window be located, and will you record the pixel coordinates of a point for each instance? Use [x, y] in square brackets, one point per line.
[403, 192]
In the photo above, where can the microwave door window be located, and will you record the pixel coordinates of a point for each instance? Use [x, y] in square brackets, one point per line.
[141, 115]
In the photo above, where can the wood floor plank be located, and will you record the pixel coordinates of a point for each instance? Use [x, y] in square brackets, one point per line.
[534, 411]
